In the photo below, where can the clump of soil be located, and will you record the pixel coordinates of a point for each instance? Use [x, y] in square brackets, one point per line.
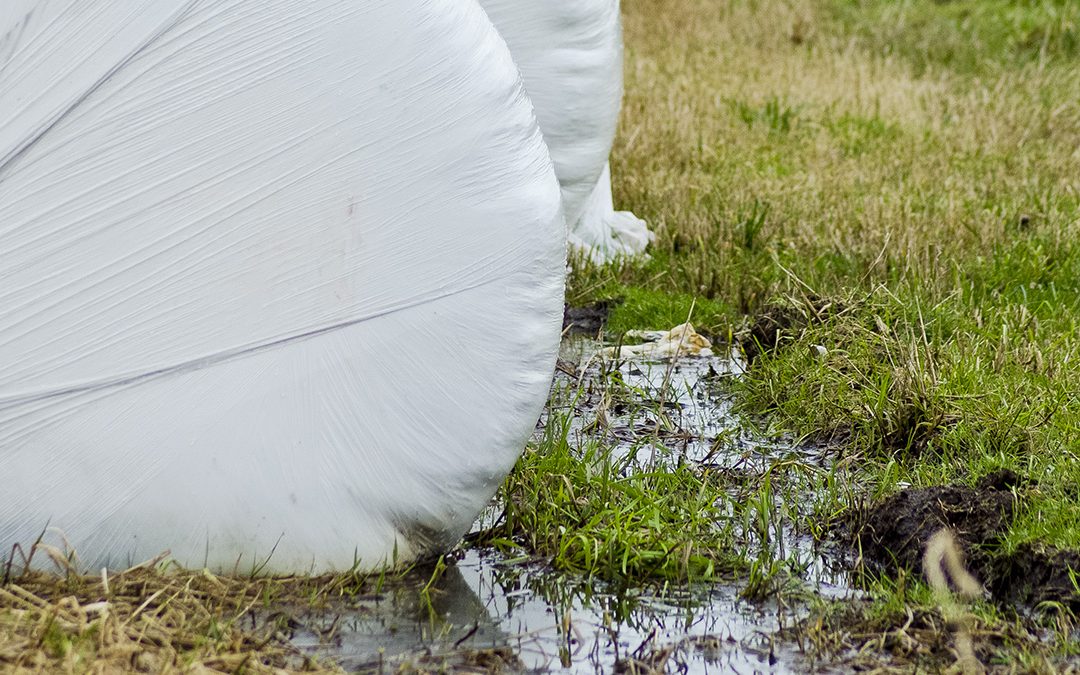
[892, 536]
[893, 533]
[779, 322]
[770, 327]
[1034, 574]
[588, 320]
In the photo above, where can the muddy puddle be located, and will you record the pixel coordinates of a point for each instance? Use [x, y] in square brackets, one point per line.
[486, 608]
[489, 612]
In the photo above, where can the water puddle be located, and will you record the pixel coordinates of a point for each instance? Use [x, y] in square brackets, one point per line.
[699, 423]
[534, 620]
[487, 611]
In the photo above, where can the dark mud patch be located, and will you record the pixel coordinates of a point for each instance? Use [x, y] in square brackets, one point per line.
[589, 319]
[892, 536]
[767, 331]
[780, 323]
[1034, 574]
[893, 533]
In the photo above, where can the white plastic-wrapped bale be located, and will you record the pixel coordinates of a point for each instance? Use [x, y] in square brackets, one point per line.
[282, 280]
[570, 55]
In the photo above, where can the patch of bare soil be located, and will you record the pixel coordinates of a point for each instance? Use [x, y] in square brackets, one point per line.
[893, 533]
[892, 536]
[1033, 574]
[767, 331]
[587, 320]
[780, 322]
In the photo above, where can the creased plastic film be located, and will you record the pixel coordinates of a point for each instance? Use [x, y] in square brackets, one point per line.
[279, 279]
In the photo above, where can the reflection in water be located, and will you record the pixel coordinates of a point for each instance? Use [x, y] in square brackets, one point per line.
[400, 622]
[542, 620]
[555, 623]
[551, 622]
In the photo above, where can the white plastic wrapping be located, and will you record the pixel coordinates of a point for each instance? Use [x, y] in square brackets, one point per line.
[280, 280]
[570, 55]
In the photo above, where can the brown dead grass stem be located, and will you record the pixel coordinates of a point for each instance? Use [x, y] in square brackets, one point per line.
[943, 562]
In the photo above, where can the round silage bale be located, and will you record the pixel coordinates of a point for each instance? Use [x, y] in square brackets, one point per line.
[282, 280]
[570, 54]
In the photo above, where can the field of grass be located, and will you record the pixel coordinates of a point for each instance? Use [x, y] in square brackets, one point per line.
[897, 186]
[892, 188]
[914, 168]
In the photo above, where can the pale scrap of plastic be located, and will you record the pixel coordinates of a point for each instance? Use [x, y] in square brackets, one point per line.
[680, 341]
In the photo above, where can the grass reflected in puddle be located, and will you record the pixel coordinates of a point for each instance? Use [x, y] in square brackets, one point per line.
[521, 605]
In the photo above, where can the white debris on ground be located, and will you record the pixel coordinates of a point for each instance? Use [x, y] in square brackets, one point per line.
[682, 340]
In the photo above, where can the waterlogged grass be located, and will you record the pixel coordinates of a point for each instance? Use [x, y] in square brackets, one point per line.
[625, 485]
[913, 163]
[902, 616]
[159, 618]
[594, 507]
[577, 505]
[154, 618]
[900, 179]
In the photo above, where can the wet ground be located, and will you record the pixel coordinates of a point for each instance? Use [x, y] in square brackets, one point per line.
[535, 620]
[486, 611]
[893, 535]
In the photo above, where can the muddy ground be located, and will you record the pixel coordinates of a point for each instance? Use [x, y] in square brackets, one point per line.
[892, 536]
[492, 611]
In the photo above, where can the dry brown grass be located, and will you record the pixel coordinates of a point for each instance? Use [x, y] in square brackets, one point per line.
[875, 162]
[148, 620]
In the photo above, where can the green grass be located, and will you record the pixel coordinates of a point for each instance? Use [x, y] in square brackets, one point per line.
[912, 165]
[589, 508]
[606, 492]
[931, 390]
[901, 614]
[637, 308]
[970, 36]
[912, 161]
